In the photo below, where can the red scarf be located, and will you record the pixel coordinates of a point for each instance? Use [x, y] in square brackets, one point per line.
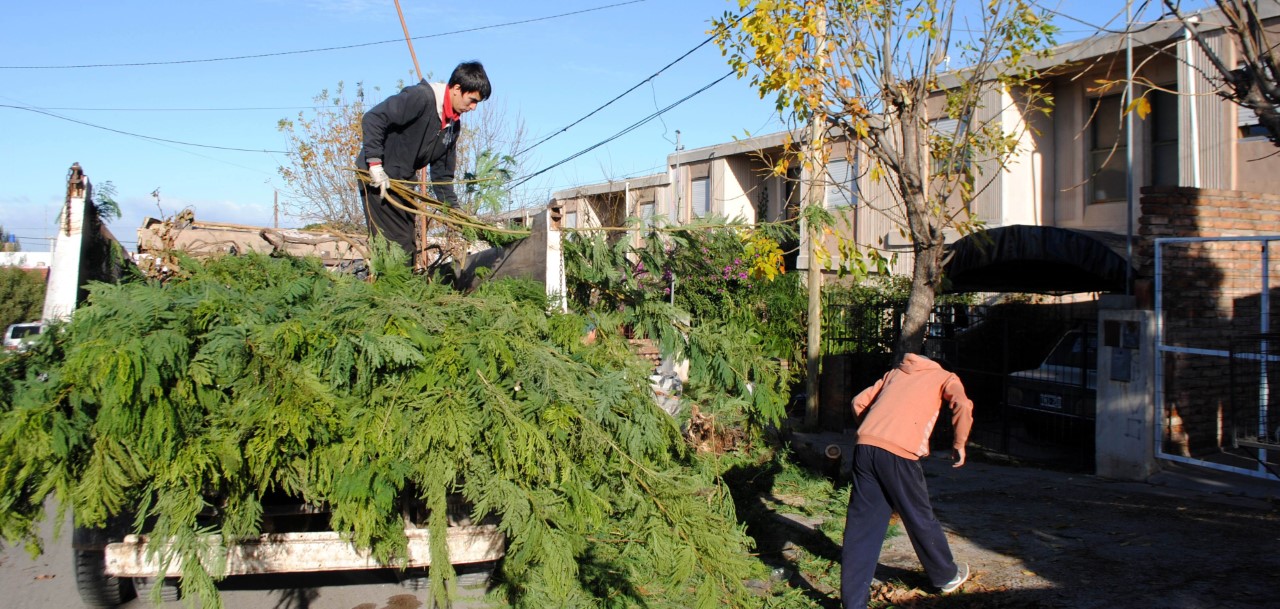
[448, 116]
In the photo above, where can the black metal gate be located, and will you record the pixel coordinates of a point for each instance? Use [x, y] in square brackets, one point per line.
[1030, 369]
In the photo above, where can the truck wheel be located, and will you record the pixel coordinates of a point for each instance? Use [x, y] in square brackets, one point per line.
[169, 590]
[96, 588]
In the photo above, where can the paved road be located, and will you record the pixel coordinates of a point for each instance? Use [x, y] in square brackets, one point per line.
[48, 582]
[1042, 539]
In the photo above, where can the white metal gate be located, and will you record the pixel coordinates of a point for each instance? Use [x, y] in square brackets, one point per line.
[1216, 352]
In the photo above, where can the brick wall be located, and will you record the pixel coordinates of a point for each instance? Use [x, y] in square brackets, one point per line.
[1210, 296]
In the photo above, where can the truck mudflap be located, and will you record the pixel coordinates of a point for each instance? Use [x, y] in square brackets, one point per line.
[309, 552]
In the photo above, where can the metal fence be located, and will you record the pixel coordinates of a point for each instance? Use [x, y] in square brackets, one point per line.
[1026, 408]
[1217, 353]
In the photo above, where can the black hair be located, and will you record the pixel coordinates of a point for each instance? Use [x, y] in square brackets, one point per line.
[472, 77]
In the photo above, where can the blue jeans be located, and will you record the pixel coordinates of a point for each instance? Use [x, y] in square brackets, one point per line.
[884, 483]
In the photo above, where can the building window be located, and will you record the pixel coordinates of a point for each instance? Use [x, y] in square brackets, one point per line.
[701, 197]
[1248, 125]
[841, 185]
[1164, 138]
[571, 219]
[762, 202]
[1107, 151]
[646, 213]
[946, 160]
[791, 193]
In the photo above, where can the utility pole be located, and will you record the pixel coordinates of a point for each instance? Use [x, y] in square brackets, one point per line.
[817, 161]
[675, 216]
[1128, 147]
[275, 210]
[419, 221]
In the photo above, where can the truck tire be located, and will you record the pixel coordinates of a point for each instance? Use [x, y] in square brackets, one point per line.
[169, 590]
[96, 588]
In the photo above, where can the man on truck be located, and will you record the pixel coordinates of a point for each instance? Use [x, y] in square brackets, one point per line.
[415, 128]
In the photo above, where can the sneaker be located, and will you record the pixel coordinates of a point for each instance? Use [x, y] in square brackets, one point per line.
[962, 576]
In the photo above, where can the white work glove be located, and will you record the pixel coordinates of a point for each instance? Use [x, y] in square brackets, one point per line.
[379, 179]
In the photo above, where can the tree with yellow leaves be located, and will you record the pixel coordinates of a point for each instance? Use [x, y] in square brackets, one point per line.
[886, 76]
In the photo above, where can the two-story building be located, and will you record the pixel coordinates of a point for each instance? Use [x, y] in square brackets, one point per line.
[1182, 222]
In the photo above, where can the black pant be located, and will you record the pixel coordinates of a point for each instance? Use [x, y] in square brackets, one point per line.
[884, 483]
[394, 224]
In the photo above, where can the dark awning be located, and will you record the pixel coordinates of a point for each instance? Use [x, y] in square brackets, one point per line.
[1037, 259]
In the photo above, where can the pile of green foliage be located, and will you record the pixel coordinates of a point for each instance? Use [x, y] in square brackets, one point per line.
[253, 375]
[742, 328]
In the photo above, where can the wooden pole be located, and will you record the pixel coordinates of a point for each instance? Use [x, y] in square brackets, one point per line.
[409, 41]
[419, 222]
[816, 156]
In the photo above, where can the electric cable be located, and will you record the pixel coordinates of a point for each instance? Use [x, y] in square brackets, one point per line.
[181, 109]
[145, 137]
[618, 97]
[336, 48]
[619, 134]
[624, 93]
[1104, 28]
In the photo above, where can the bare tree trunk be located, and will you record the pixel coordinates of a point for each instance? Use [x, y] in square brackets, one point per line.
[925, 279]
[913, 174]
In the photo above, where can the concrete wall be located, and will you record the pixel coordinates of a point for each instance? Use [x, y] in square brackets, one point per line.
[62, 290]
[1126, 410]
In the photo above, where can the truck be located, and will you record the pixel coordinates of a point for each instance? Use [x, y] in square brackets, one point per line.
[113, 561]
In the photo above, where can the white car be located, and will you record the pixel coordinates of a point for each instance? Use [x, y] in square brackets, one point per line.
[18, 336]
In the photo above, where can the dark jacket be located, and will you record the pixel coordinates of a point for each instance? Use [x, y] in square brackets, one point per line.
[404, 131]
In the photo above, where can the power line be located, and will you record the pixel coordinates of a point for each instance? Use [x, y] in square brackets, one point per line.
[620, 96]
[619, 134]
[179, 109]
[1102, 28]
[145, 137]
[337, 48]
[624, 93]
[243, 109]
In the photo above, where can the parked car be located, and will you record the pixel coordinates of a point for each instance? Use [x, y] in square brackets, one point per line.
[1065, 383]
[18, 336]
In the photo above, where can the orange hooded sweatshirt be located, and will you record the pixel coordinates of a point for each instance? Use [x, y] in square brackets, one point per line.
[902, 408]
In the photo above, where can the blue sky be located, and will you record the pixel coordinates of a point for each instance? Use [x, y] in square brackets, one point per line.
[549, 72]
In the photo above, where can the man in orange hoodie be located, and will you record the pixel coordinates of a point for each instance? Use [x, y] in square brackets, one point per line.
[897, 415]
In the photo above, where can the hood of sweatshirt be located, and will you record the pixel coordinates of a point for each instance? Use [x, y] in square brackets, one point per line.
[917, 363]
